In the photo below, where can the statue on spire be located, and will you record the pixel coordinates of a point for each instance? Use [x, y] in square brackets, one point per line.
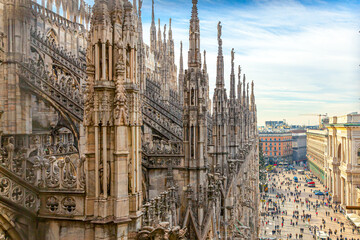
[232, 56]
[219, 31]
[164, 33]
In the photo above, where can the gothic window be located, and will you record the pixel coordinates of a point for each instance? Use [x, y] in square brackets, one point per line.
[192, 141]
[192, 97]
[107, 61]
[339, 153]
[52, 36]
[100, 59]
[128, 62]
[358, 156]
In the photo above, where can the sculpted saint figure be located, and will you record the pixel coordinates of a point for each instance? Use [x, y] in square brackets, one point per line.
[219, 30]
[232, 56]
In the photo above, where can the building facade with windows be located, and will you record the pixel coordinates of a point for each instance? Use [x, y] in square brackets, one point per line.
[316, 152]
[299, 145]
[343, 159]
[277, 146]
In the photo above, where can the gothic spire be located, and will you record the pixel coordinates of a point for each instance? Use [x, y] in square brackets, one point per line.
[252, 96]
[134, 7]
[171, 46]
[153, 30]
[239, 85]
[220, 61]
[159, 37]
[181, 76]
[101, 15]
[244, 95]
[232, 76]
[194, 56]
[152, 15]
[247, 95]
[205, 65]
[170, 31]
[181, 59]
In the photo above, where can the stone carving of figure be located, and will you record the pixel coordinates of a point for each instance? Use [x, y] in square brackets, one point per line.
[232, 56]
[10, 147]
[219, 30]
[88, 55]
[130, 177]
[101, 176]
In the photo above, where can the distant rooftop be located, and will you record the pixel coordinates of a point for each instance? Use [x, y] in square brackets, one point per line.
[352, 118]
[323, 132]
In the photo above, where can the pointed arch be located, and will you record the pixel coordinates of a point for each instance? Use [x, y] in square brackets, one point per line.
[52, 36]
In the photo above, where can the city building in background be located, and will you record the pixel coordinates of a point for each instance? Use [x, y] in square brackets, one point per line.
[277, 147]
[316, 141]
[343, 159]
[299, 145]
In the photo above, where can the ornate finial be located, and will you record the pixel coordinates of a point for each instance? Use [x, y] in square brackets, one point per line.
[232, 76]
[239, 72]
[170, 24]
[194, 9]
[181, 57]
[153, 13]
[164, 33]
[205, 67]
[140, 6]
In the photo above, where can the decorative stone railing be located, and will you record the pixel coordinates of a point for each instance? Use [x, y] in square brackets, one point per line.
[58, 53]
[159, 154]
[18, 192]
[162, 162]
[45, 13]
[161, 209]
[67, 94]
[45, 173]
[160, 148]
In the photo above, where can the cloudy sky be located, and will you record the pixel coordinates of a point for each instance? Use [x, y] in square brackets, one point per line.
[303, 56]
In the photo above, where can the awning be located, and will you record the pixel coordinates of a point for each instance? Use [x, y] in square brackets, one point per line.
[357, 223]
[354, 218]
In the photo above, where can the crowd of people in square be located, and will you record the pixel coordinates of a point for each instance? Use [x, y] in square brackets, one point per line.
[283, 190]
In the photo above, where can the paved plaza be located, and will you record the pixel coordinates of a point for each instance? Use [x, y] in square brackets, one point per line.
[280, 184]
